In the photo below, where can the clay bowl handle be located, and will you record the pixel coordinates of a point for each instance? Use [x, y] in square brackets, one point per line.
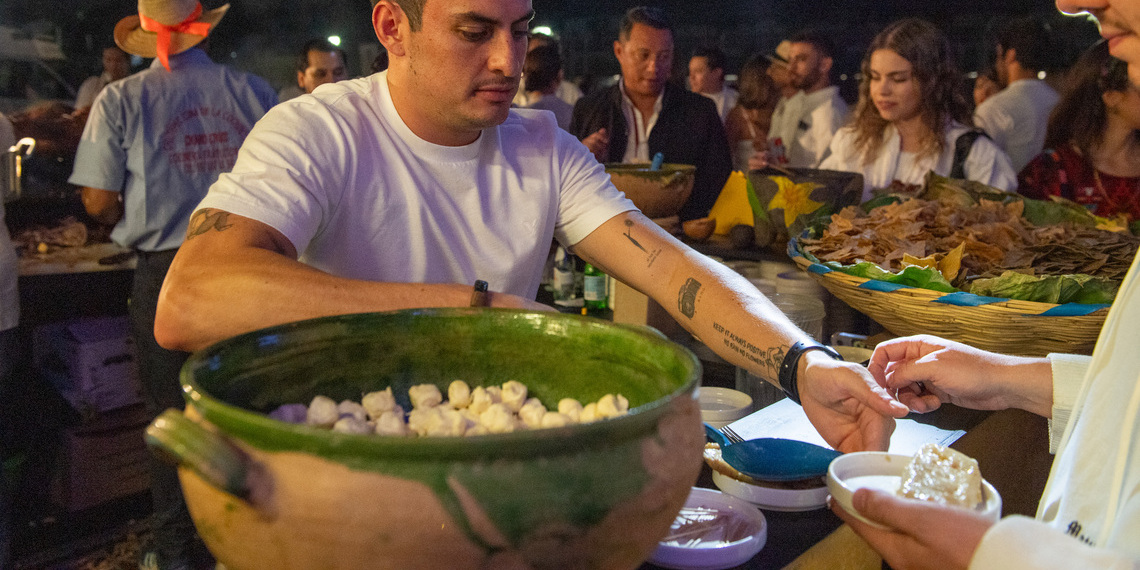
[183, 442]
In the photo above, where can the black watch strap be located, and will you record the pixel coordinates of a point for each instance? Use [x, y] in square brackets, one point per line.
[789, 367]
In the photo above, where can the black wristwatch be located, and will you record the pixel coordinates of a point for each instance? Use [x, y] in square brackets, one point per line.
[789, 367]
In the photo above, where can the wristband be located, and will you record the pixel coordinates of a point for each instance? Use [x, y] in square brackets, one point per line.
[789, 367]
[479, 294]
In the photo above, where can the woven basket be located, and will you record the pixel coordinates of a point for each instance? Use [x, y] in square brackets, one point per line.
[1007, 326]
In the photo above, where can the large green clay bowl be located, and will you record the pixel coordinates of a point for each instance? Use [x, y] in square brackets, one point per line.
[657, 193]
[267, 494]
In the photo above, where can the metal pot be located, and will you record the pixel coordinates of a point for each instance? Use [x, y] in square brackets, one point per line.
[12, 168]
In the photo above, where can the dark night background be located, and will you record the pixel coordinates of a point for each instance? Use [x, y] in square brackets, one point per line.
[261, 35]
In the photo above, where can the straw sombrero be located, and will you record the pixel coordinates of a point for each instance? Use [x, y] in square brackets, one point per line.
[183, 21]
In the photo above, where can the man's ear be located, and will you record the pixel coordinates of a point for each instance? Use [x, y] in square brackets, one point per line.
[617, 50]
[300, 80]
[390, 25]
[825, 64]
[1112, 99]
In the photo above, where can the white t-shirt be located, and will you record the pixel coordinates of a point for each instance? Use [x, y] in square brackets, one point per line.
[1016, 119]
[361, 196]
[9, 299]
[986, 163]
[725, 100]
[805, 124]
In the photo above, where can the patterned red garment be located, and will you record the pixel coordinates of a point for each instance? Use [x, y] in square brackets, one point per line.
[1065, 172]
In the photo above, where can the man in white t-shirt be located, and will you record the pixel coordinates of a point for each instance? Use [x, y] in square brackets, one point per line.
[402, 189]
[706, 76]
[803, 124]
[1016, 117]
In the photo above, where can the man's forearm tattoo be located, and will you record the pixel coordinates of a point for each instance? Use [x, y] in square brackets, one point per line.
[769, 359]
[629, 235]
[205, 220]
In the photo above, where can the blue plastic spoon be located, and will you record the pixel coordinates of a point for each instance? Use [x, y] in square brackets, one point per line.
[774, 459]
[658, 160]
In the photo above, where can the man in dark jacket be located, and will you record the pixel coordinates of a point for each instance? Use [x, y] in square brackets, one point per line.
[643, 115]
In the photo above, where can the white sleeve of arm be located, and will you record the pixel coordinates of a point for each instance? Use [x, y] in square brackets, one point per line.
[1020, 542]
[1069, 372]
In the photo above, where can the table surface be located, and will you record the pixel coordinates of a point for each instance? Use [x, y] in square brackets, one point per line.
[85, 259]
[1011, 447]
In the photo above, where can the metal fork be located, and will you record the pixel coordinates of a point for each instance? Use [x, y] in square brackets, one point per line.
[731, 434]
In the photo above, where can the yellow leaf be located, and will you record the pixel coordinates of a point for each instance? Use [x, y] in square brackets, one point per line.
[951, 263]
[794, 198]
[732, 207]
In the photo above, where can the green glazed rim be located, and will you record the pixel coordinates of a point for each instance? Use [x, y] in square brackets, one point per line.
[639, 169]
[236, 382]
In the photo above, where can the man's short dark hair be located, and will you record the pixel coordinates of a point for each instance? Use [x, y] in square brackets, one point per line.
[541, 68]
[1032, 40]
[319, 45]
[820, 42]
[413, 9]
[648, 15]
[713, 57]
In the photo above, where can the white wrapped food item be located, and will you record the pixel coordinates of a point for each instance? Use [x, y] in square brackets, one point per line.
[350, 408]
[531, 413]
[554, 419]
[611, 406]
[376, 403]
[513, 395]
[498, 419]
[451, 424]
[391, 423]
[425, 396]
[291, 413]
[350, 424]
[570, 408]
[943, 475]
[422, 421]
[482, 398]
[476, 429]
[589, 413]
[458, 394]
[322, 412]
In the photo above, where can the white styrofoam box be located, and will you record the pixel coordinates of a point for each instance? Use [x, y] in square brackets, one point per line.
[91, 361]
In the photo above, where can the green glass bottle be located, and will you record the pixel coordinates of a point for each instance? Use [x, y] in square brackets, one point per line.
[595, 289]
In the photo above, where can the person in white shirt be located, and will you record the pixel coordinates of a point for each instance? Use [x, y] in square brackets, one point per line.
[1089, 514]
[116, 65]
[542, 73]
[803, 124]
[401, 189]
[567, 91]
[706, 76]
[1017, 116]
[910, 116]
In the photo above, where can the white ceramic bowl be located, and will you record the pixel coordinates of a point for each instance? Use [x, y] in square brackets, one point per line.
[773, 498]
[745, 524]
[722, 406]
[883, 471]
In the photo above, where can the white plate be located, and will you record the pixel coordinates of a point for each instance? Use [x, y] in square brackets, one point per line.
[883, 471]
[715, 555]
[772, 499]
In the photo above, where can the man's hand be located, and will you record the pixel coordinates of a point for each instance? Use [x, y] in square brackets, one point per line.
[926, 371]
[846, 406]
[599, 144]
[758, 160]
[919, 535]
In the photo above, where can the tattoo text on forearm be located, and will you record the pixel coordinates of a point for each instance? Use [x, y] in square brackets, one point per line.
[769, 358]
[205, 220]
[629, 235]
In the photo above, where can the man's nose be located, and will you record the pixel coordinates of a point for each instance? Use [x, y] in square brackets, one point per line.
[506, 55]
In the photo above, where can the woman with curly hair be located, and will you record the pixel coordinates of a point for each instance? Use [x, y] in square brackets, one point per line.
[913, 118]
[1092, 146]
